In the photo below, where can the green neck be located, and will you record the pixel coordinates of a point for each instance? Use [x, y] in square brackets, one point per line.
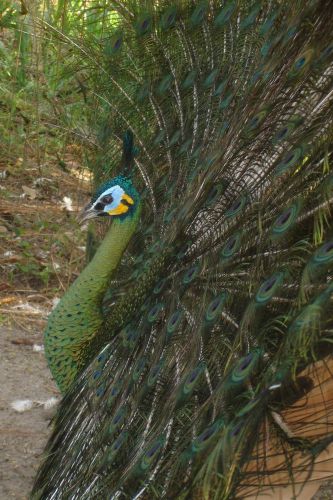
[78, 317]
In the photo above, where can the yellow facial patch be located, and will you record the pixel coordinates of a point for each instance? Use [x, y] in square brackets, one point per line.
[122, 208]
[128, 199]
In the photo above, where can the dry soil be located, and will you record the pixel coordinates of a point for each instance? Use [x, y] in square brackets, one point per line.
[23, 375]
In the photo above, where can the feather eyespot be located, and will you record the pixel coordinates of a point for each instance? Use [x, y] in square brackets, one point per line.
[286, 219]
[191, 274]
[169, 18]
[143, 24]
[207, 434]
[151, 453]
[97, 374]
[269, 287]
[154, 373]
[159, 287]
[250, 19]
[211, 77]
[214, 308]
[155, 312]
[117, 43]
[328, 247]
[327, 52]
[199, 14]
[324, 254]
[299, 63]
[138, 369]
[100, 391]
[236, 207]
[114, 44]
[302, 63]
[268, 24]
[225, 14]
[289, 160]
[232, 243]
[192, 379]
[282, 133]
[189, 79]
[173, 323]
[236, 430]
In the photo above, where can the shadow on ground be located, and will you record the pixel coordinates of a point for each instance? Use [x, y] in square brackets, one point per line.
[24, 375]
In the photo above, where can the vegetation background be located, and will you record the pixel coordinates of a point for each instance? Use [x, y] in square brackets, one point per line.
[46, 146]
[42, 248]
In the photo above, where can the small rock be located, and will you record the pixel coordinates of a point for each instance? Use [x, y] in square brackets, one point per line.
[31, 193]
[38, 348]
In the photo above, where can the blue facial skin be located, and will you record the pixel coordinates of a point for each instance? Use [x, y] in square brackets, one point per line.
[116, 192]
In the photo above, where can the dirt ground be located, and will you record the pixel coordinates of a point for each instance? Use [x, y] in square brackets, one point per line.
[24, 375]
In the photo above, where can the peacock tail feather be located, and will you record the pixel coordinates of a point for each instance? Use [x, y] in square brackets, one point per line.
[207, 370]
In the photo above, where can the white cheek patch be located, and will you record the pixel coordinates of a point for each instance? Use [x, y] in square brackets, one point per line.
[116, 192]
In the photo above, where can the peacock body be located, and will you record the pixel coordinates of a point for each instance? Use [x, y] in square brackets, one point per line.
[194, 350]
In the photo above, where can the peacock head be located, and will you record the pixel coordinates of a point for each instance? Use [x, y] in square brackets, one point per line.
[115, 198]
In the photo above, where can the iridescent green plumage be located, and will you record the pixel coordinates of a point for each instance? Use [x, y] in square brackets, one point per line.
[78, 317]
[214, 335]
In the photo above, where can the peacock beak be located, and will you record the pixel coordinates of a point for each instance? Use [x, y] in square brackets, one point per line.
[87, 213]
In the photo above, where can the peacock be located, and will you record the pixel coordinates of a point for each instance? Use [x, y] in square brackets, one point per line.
[194, 351]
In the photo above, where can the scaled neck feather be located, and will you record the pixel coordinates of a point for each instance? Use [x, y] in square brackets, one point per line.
[78, 316]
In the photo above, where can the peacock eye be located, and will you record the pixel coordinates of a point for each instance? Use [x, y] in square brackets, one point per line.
[107, 199]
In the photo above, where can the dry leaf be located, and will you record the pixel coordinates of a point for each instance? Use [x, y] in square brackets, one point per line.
[22, 342]
[7, 300]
